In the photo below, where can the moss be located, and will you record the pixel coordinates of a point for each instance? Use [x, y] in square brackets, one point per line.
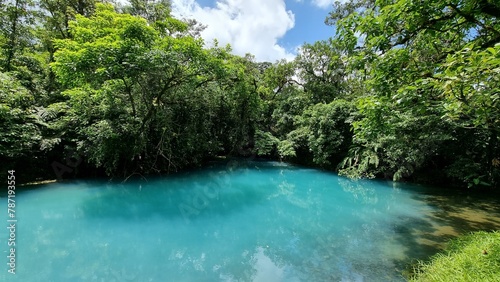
[474, 257]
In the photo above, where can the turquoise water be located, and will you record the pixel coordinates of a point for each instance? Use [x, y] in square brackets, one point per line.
[257, 221]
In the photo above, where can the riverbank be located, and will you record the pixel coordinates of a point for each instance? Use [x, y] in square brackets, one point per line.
[474, 257]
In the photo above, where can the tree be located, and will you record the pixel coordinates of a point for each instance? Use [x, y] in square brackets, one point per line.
[15, 19]
[21, 128]
[145, 100]
[321, 69]
[406, 50]
[471, 88]
[152, 11]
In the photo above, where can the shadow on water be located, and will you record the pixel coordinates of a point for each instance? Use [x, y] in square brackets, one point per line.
[446, 215]
[456, 213]
[24, 188]
[172, 199]
[453, 213]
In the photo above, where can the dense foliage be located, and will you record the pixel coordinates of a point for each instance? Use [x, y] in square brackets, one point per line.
[404, 90]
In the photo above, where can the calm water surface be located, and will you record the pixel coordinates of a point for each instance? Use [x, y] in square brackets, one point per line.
[257, 221]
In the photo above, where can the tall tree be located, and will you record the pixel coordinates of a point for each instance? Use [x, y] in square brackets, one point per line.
[151, 10]
[140, 96]
[406, 49]
[322, 71]
[15, 19]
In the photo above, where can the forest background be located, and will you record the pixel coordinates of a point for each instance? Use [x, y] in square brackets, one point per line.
[405, 90]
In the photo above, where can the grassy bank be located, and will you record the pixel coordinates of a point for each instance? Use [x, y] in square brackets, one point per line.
[474, 257]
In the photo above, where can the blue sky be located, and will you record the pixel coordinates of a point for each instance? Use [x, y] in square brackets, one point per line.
[309, 24]
[269, 29]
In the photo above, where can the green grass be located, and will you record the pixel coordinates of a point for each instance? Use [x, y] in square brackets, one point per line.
[474, 257]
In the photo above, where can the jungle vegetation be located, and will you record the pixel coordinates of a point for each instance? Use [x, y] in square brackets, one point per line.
[406, 90]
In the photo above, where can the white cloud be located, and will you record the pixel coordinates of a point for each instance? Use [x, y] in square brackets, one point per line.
[249, 26]
[325, 3]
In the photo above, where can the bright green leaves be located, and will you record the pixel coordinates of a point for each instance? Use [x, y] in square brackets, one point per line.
[401, 140]
[120, 72]
[428, 87]
[265, 143]
[105, 46]
[470, 82]
[403, 87]
[172, 27]
[149, 97]
[470, 86]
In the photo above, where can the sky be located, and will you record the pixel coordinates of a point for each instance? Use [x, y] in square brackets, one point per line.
[268, 29]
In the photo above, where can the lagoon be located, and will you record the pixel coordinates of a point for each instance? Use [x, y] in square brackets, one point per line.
[239, 221]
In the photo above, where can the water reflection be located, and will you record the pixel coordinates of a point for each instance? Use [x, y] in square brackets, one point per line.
[360, 190]
[258, 223]
[265, 268]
